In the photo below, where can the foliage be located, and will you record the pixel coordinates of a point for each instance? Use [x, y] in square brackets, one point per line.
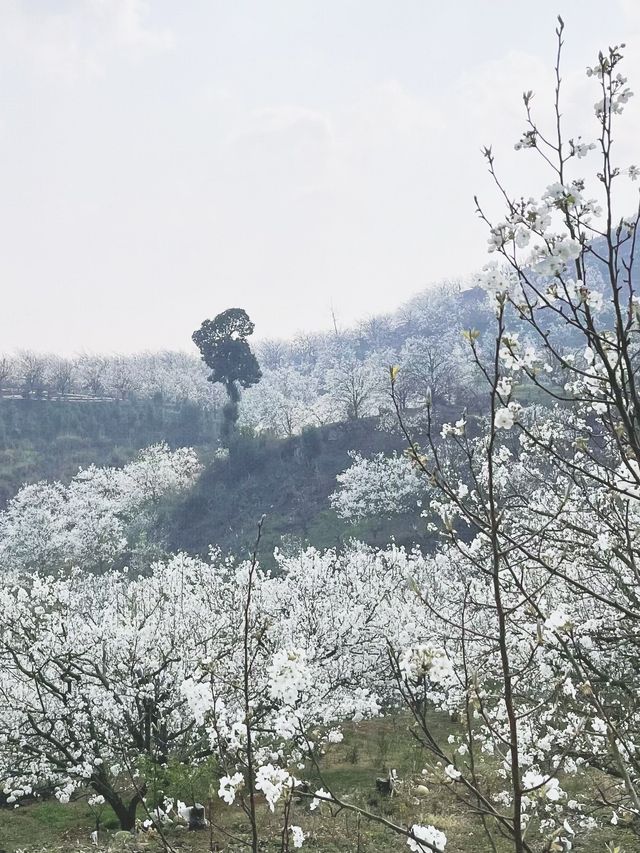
[97, 520]
[226, 352]
[379, 487]
[51, 439]
[89, 681]
[171, 377]
[290, 480]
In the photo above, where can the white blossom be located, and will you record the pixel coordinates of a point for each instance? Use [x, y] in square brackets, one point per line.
[432, 836]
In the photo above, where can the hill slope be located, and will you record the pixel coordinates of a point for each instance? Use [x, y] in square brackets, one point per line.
[288, 480]
[51, 439]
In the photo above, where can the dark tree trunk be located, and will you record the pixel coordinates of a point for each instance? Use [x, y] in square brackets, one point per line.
[125, 812]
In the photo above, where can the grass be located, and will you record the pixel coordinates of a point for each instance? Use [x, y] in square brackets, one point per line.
[39, 823]
[368, 751]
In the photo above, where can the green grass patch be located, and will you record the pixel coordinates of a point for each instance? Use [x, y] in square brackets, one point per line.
[369, 750]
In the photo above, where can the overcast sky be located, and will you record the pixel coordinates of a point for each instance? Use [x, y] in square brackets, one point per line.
[161, 161]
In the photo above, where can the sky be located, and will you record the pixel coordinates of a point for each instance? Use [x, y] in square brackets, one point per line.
[161, 161]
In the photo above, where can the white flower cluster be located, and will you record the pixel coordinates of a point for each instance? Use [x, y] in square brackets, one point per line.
[435, 838]
[454, 429]
[379, 486]
[515, 356]
[229, 787]
[581, 149]
[273, 782]
[426, 661]
[50, 526]
[289, 676]
[552, 260]
[496, 278]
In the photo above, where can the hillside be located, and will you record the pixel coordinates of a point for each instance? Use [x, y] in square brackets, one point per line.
[51, 439]
[289, 481]
[319, 399]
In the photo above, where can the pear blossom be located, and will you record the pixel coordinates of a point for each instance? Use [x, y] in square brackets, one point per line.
[504, 418]
[320, 796]
[272, 781]
[433, 837]
[229, 786]
[297, 836]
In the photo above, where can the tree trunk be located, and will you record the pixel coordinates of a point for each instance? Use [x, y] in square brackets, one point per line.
[125, 812]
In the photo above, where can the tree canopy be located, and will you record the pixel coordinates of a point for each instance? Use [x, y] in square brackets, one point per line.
[225, 350]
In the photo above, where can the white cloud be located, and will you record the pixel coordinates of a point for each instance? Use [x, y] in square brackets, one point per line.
[129, 20]
[71, 40]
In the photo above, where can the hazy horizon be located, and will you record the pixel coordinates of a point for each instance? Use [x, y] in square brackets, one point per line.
[162, 162]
